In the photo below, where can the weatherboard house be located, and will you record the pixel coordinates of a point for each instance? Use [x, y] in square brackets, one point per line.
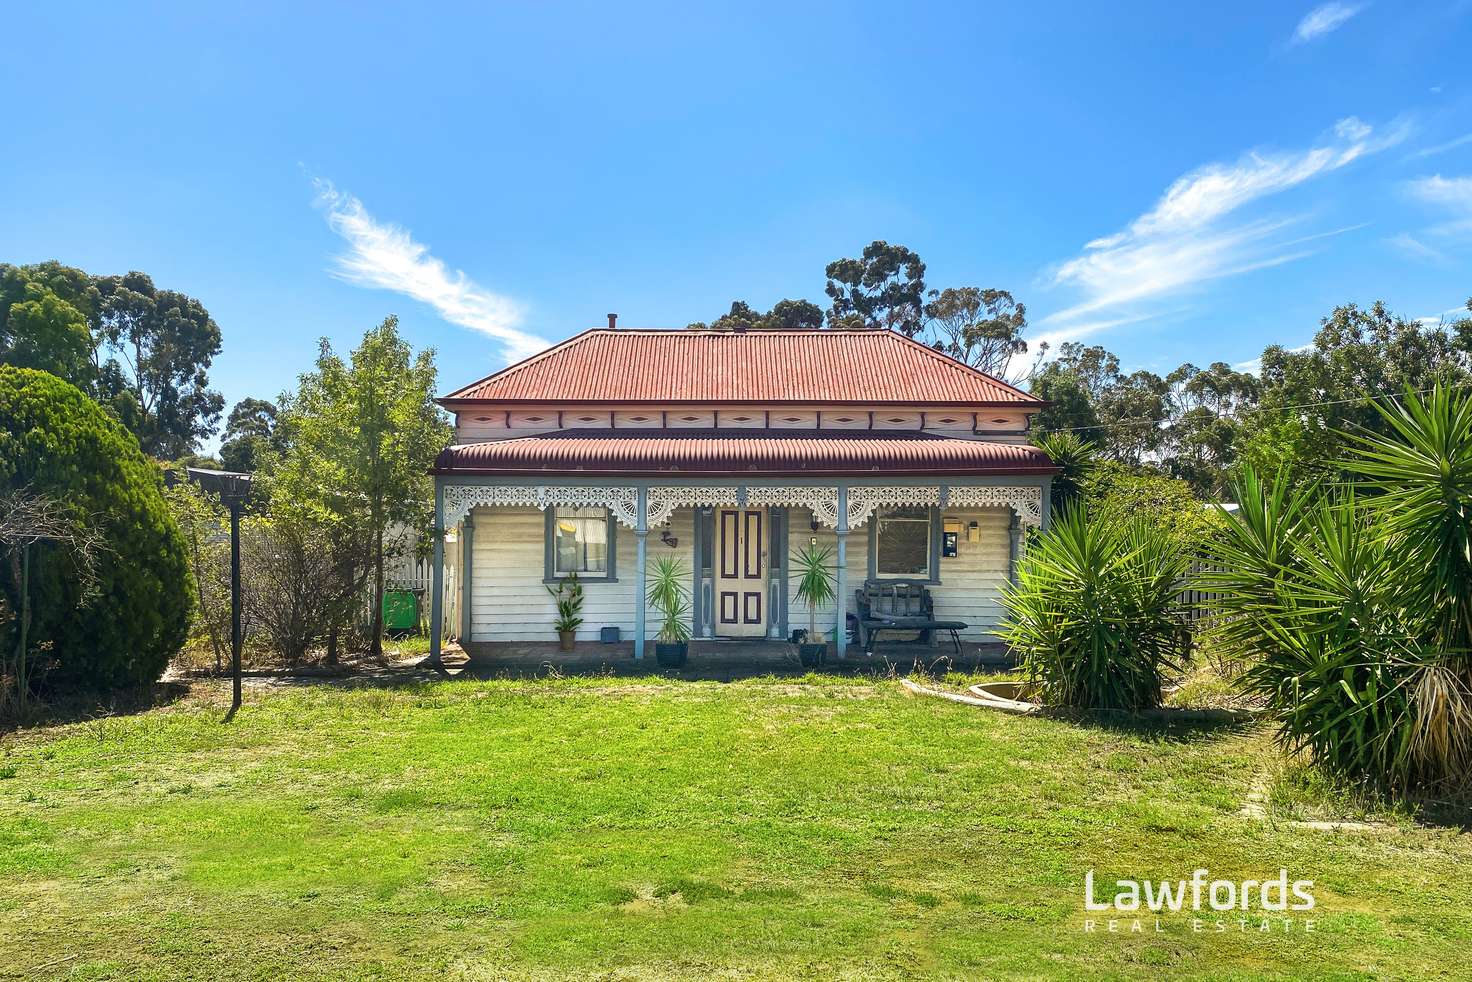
[730, 451]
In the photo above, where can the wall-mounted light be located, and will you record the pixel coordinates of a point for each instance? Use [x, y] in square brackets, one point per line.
[813, 523]
[669, 540]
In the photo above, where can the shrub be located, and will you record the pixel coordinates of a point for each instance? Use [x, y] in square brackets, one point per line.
[306, 580]
[1354, 609]
[1168, 503]
[205, 525]
[57, 442]
[1093, 611]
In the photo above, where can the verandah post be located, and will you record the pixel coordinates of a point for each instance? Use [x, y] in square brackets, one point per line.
[437, 581]
[641, 533]
[840, 628]
[467, 556]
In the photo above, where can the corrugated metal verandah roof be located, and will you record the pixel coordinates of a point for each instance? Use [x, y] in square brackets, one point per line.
[740, 453]
[792, 367]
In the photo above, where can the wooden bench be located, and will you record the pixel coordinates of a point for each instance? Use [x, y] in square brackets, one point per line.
[900, 605]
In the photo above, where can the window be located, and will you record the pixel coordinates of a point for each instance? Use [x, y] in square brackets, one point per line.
[902, 542]
[580, 542]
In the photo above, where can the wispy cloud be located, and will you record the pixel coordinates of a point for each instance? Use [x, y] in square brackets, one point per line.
[1324, 19]
[1187, 238]
[1422, 154]
[386, 257]
[1412, 247]
[1450, 198]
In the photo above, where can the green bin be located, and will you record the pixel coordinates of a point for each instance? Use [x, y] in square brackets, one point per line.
[400, 610]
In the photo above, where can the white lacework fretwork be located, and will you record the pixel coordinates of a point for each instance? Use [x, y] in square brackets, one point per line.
[663, 501]
[460, 498]
[862, 501]
[1025, 500]
[823, 502]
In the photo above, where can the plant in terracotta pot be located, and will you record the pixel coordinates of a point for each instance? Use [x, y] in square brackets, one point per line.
[813, 568]
[669, 595]
[569, 598]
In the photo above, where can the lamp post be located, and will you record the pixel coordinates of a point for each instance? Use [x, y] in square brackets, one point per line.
[233, 488]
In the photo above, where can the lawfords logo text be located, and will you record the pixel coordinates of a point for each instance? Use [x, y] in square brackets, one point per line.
[1249, 900]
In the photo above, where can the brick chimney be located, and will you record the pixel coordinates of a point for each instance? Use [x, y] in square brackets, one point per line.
[613, 322]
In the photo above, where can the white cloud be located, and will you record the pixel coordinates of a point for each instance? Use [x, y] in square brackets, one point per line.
[1453, 193]
[1414, 248]
[1451, 200]
[1460, 141]
[1323, 19]
[386, 257]
[1186, 240]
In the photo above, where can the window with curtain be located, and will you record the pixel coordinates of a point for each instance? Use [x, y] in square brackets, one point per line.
[902, 546]
[580, 541]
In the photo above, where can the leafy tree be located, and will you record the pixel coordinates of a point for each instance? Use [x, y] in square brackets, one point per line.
[1206, 408]
[361, 436]
[982, 328]
[159, 345]
[39, 327]
[794, 315]
[250, 434]
[784, 315]
[885, 288]
[57, 443]
[1311, 397]
[1122, 414]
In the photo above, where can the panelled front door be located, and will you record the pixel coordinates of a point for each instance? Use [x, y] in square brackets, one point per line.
[741, 576]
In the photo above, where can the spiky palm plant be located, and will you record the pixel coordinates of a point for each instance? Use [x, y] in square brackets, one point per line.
[813, 567]
[1355, 610]
[669, 595]
[1093, 611]
[1074, 457]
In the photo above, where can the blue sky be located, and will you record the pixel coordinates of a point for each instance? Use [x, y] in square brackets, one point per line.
[1172, 181]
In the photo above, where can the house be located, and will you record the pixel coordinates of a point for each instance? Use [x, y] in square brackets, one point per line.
[729, 451]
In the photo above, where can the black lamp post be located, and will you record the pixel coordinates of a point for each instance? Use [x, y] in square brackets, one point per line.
[233, 488]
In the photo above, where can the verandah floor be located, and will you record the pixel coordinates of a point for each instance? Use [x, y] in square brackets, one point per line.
[711, 660]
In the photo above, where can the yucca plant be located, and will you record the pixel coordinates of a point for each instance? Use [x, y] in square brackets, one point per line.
[813, 567]
[1093, 612]
[1074, 457]
[1355, 610]
[669, 595]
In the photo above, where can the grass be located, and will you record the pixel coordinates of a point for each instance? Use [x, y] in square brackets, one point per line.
[626, 829]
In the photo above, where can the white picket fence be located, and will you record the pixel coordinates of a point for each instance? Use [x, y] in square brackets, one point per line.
[409, 572]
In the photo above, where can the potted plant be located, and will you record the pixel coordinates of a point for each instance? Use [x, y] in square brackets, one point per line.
[814, 571]
[669, 595]
[569, 598]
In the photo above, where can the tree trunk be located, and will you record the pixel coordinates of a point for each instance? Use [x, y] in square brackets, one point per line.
[375, 647]
[332, 645]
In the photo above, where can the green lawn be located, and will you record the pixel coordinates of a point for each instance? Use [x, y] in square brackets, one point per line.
[584, 828]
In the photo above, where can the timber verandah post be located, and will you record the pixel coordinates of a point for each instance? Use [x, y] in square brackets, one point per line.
[467, 556]
[840, 627]
[437, 582]
[641, 534]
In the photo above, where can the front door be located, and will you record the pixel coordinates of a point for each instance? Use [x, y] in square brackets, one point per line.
[741, 576]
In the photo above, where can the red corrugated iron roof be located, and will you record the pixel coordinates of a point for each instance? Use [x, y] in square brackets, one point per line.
[793, 367]
[750, 453]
